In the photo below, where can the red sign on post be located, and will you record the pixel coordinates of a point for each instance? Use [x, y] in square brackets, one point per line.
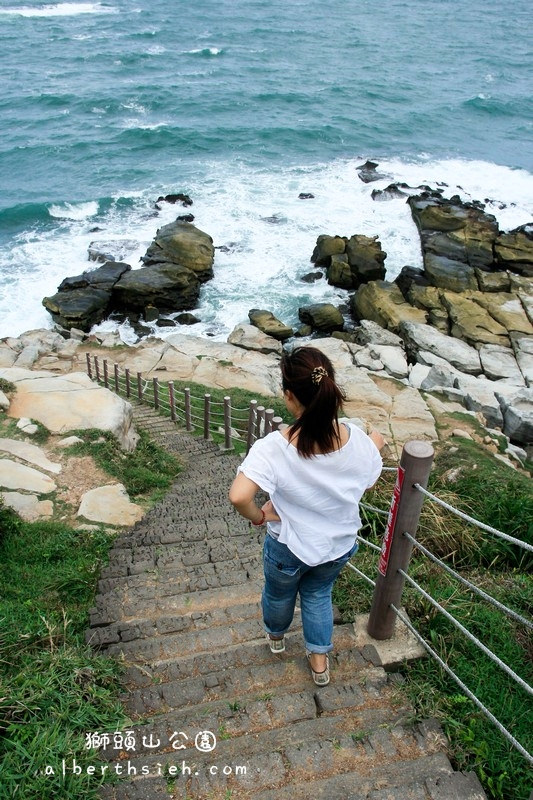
[391, 522]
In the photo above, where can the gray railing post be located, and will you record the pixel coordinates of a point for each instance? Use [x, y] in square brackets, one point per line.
[251, 424]
[106, 374]
[207, 415]
[155, 383]
[276, 422]
[117, 383]
[89, 367]
[269, 416]
[128, 385]
[172, 401]
[404, 513]
[260, 418]
[139, 387]
[188, 415]
[96, 369]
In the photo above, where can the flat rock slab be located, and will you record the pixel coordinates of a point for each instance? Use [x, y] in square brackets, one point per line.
[111, 505]
[18, 476]
[27, 506]
[30, 453]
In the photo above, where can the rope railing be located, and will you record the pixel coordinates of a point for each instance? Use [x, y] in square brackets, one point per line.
[204, 414]
[472, 520]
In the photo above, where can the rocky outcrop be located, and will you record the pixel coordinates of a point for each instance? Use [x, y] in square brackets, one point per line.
[269, 324]
[350, 261]
[251, 338]
[323, 317]
[110, 505]
[514, 250]
[177, 262]
[66, 403]
[382, 302]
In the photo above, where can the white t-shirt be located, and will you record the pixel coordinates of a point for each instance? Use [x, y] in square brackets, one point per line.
[316, 498]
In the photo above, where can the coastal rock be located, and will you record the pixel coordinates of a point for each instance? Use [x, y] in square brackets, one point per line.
[269, 324]
[479, 394]
[78, 308]
[70, 402]
[30, 453]
[392, 358]
[514, 250]
[368, 174]
[105, 277]
[408, 277]
[429, 298]
[506, 309]
[499, 363]
[251, 338]
[28, 356]
[493, 281]
[18, 476]
[418, 374]
[518, 415]
[4, 401]
[177, 197]
[167, 286]
[369, 332]
[418, 337]
[383, 303]
[327, 246]
[8, 356]
[471, 322]
[311, 277]
[437, 377]
[366, 259]
[447, 274]
[322, 317]
[27, 506]
[523, 348]
[339, 272]
[110, 505]
[181, 243]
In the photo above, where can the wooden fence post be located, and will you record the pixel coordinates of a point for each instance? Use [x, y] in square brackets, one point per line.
[251, 424]
[207, 416]
[96, 369]
[106, 374]
[155, 384]
[89, 367]
[139, 387]
[117, 383]
[128, 385]
[188, 415]
[172, 401]
[404, 513]
[227, 424]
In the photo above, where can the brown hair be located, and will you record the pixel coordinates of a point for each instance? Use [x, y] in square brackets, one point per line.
[310, 376]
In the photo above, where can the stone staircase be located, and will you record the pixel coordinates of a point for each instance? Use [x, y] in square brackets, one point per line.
[179, 604]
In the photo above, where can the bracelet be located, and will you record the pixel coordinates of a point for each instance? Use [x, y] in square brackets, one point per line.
[261, 521]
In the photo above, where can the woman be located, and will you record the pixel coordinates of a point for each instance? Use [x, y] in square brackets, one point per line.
[315, 472]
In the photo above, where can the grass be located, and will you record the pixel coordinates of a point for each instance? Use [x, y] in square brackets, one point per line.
[53, 688]
[500, 497]
[147, 472]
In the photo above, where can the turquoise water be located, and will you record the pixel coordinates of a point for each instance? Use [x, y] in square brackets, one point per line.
[243, 104]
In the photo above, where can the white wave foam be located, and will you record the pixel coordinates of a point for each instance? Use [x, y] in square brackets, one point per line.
[269, 233]
[212, 51]
[60, 10]
[76, 211]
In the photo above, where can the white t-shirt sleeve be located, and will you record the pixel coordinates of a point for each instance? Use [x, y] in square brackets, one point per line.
[376, 464]
[259, 464]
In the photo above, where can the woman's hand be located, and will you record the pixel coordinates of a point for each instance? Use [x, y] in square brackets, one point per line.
[271, 515]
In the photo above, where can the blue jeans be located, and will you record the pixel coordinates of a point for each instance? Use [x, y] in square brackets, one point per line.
[285, 577]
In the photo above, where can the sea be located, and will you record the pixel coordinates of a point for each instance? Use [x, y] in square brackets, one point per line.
[244, 106]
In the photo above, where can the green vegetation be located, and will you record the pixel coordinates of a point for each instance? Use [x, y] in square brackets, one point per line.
[53, 689]
[146, 472]
[6, 386]
[502, 498]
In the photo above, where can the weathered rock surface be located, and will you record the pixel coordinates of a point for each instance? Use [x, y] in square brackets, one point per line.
[471, 322]
[269, 324]
[251, 338]
[382, 302]
[66, 403]
[18, 476]
[350, 262]
[183, 244]
[30, 453]
[78, 308]
[110, 505]
[515, 250]
[518, 415]
[167, 286]
[419, 337]
[499, 363]
[322, 317]
[28, 506]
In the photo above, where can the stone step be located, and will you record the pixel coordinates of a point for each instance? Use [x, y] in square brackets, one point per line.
[322, 757]
[263, 677]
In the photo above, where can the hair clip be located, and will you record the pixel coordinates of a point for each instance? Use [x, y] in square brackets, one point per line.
[317, 374]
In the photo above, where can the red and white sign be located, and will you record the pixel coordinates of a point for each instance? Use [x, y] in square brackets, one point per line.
[391, 522]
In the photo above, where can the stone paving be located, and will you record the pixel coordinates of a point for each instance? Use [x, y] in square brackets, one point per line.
[179, 605]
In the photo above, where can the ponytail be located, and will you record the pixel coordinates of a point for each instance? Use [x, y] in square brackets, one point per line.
[310, 376]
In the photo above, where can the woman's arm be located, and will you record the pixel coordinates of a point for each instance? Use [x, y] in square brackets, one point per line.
[242, 494]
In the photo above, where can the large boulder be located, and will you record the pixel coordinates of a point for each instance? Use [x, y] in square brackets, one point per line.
[251, 338]
[507, 309]
[523, 348]
[366, 259]
[70, 402]
[383, 303]
[423, 338]
[184, 244]
[323, 317]
[167, 286]
[518, 415]
[514, 250]
[269, 324]
[499, 363]
[103, 277]
[79, 308]
[455, 276]
[339, 272]
[472, 323]
[429, 299]
[327, 246]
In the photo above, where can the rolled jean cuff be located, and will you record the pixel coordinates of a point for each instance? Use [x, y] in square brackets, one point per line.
[318, 648]
[276, 633]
